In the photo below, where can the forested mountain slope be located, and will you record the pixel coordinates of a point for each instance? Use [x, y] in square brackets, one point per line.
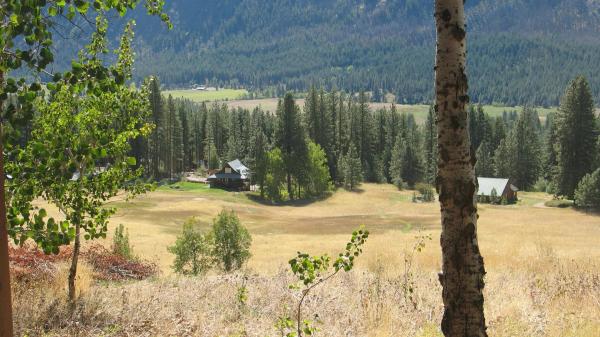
[521, 51]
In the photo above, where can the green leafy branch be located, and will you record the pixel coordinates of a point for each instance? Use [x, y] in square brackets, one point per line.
[313, 271]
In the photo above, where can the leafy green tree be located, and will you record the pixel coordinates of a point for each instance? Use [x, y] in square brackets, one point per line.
[193, 250]
[275, 178]
[78, 157]
[587, 194]
[319, 181]
[351, 169]
[26, 42]
[576, 135]
[231, 241]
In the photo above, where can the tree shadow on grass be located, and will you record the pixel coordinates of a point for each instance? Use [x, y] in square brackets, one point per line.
[294, 203]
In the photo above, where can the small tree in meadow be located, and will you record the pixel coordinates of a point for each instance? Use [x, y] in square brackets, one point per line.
[193, 250]
[121, 245]
[312, 271]
[231, 241]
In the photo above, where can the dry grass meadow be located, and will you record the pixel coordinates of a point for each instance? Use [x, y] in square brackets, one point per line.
[543, 269]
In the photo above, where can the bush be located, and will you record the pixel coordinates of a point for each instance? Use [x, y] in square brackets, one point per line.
[559, 203]
[120, 245]
[192, 249]
[226, 245]
[587, 194]
[231, 241]
[426, 192]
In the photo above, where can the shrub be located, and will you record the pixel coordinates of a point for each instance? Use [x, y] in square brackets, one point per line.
[426, 192]
[587, 194]
[559, 203]
[192, 249]
[120, 245]
[231, 241]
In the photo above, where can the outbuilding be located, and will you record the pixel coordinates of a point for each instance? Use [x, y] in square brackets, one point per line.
[496, 189]
[233, 175]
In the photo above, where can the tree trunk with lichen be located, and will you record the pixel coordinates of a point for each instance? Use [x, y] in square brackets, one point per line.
[6, 328]
[462, 267]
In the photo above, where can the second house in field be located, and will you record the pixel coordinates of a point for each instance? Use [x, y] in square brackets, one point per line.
[233, 175]
[496, 190]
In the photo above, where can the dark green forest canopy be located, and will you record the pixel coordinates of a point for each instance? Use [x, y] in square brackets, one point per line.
[520, 51]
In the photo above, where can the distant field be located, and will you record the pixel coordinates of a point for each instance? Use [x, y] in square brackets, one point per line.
[418, 110]
[203, 96]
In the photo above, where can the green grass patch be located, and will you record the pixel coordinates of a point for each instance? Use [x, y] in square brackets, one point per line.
[204, 96]
[204, 190]
[559, 203]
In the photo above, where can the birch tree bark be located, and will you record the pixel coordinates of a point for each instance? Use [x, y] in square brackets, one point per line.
[462, 267]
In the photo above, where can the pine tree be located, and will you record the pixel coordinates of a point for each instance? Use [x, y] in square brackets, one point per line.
[396, 164]
[351, 169]
[290, 139]
[519, 156]
[430, 147]
[155, 140]
[575, 136]
[485, 164]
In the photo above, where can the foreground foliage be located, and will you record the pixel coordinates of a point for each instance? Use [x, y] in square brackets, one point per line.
[225, 246]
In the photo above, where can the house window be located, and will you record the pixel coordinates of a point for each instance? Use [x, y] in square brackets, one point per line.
[228, 170]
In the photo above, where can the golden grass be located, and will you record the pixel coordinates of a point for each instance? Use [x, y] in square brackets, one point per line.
[203, 96]
[543, 269]
[418, 110]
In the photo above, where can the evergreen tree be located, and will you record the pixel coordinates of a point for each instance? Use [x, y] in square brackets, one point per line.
[575, 135]
[155, 140]
[290, 139]
[396, 163]
[485, 165]
[519, 155]
[430, 147]
[499, 132]
[351, 169]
